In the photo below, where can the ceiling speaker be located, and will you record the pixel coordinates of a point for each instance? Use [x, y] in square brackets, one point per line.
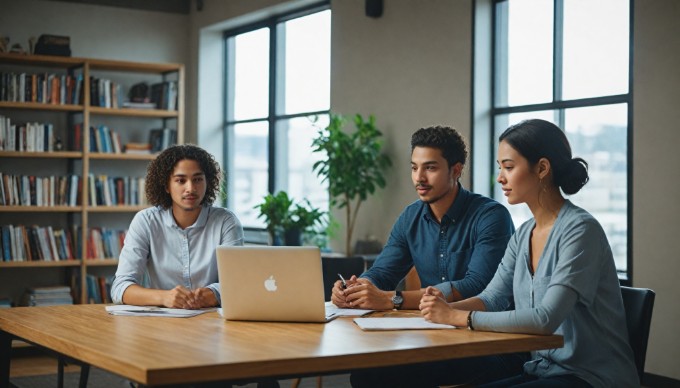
[374, 8]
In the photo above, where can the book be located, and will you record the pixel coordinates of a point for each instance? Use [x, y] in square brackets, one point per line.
[47, 296]
[139, 105]
[137, 148]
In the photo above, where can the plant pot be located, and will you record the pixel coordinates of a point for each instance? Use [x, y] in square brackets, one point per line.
[293, 237]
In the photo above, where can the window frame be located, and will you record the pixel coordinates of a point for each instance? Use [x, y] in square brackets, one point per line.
[557, 104]
[272, 118]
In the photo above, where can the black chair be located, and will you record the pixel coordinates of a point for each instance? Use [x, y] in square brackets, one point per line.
[345, 266]
[638, 303]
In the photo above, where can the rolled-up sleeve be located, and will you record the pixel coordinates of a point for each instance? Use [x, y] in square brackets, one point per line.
[132, 261]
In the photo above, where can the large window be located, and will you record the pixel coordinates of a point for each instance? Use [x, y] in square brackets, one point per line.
[277, 97]
[567, 61]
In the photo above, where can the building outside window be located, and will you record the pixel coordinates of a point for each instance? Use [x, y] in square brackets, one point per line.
[568, 62]
[277, 98]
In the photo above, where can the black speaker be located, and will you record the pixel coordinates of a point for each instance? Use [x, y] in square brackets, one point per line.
[374, 8]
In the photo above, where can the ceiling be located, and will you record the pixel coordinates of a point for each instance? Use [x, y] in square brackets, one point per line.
[171, 6]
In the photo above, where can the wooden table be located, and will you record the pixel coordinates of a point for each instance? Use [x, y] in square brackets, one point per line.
[158, 351]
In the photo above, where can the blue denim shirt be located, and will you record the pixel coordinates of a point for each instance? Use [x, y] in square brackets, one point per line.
[461, 253]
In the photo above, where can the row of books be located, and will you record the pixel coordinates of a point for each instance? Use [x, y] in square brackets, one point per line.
[98, 287]
[164, 95]
[104, 243]
[29, 137]
[51, 88]
[109, 191]
[42, 88]
[45, 243]
[47, 296]
[30, 190]
[98, 291]
[105, 93]
[103, 139]
[162, 138]
[33, 243]
[106, 140]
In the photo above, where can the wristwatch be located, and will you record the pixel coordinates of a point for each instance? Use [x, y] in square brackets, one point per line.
[397, 300]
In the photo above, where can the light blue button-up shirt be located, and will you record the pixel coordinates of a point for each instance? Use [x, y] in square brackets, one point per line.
[461, 253]
[173, 256]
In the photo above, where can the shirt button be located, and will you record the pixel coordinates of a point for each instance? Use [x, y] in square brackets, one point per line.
[441, 255]
[443, 278]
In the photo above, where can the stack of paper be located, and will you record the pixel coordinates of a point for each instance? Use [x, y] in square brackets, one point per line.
[398, 324]
[152, 311]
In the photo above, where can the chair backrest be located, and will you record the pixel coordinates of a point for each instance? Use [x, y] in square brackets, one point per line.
[346, 266]
[638, 303]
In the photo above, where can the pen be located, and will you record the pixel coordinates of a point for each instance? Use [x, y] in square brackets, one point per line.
[344, 283]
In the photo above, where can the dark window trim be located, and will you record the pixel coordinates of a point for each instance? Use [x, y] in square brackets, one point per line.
[272, 118]
[559, 105]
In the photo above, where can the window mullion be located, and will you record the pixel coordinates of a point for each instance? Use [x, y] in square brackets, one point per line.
[271, 184]
[558, 62]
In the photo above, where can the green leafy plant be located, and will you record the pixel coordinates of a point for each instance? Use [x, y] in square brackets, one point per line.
[285, 217]
[275, 210]
[354, 166]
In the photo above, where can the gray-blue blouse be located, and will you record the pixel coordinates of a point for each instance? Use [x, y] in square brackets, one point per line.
[574, 292]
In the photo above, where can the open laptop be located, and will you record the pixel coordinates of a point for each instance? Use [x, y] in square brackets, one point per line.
[271, 283]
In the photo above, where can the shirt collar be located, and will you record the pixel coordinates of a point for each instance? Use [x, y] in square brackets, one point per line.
[169, 220]
[456, 210]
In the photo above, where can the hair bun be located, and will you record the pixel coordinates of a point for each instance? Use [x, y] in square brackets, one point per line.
[574, 176]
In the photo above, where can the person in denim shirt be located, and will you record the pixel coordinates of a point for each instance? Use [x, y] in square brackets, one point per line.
[453, 237]
[174, 242]
[558, 271]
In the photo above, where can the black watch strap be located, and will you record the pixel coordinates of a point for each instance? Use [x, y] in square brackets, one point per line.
[397, 300]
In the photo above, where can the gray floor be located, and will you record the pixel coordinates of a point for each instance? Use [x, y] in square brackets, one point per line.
[102, 379]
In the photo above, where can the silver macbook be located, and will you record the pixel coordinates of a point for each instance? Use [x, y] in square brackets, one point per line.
[271, 283]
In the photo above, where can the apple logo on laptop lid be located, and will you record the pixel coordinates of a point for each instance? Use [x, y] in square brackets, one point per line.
[270, 284]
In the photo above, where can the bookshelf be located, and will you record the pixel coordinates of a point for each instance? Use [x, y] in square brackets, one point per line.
[132, 125]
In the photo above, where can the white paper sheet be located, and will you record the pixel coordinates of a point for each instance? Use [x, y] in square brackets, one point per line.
[398, 324]
[151, 311]
[335, 311]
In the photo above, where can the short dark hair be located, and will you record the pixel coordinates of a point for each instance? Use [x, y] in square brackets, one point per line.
[444, 138]
[159, 170]
[536, 139]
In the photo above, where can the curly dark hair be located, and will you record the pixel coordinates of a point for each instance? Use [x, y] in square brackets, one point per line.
[447, 139]
[159, 171]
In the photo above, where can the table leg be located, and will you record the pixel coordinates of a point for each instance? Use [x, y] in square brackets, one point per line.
[5, 357]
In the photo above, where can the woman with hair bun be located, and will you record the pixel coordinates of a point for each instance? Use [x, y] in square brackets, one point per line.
[558, 270]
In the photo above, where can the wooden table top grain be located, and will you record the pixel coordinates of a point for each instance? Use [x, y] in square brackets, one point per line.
[158, 350]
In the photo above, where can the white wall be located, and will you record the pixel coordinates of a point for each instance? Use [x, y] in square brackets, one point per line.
[410, 68]
[656, 158]
[99, 32]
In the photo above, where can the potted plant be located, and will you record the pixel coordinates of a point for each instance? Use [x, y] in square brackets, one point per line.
[304, 222]
[354, 165]
[275, 209]
[287, 221]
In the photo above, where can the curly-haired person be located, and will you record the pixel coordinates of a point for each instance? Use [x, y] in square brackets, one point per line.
[174, 241]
